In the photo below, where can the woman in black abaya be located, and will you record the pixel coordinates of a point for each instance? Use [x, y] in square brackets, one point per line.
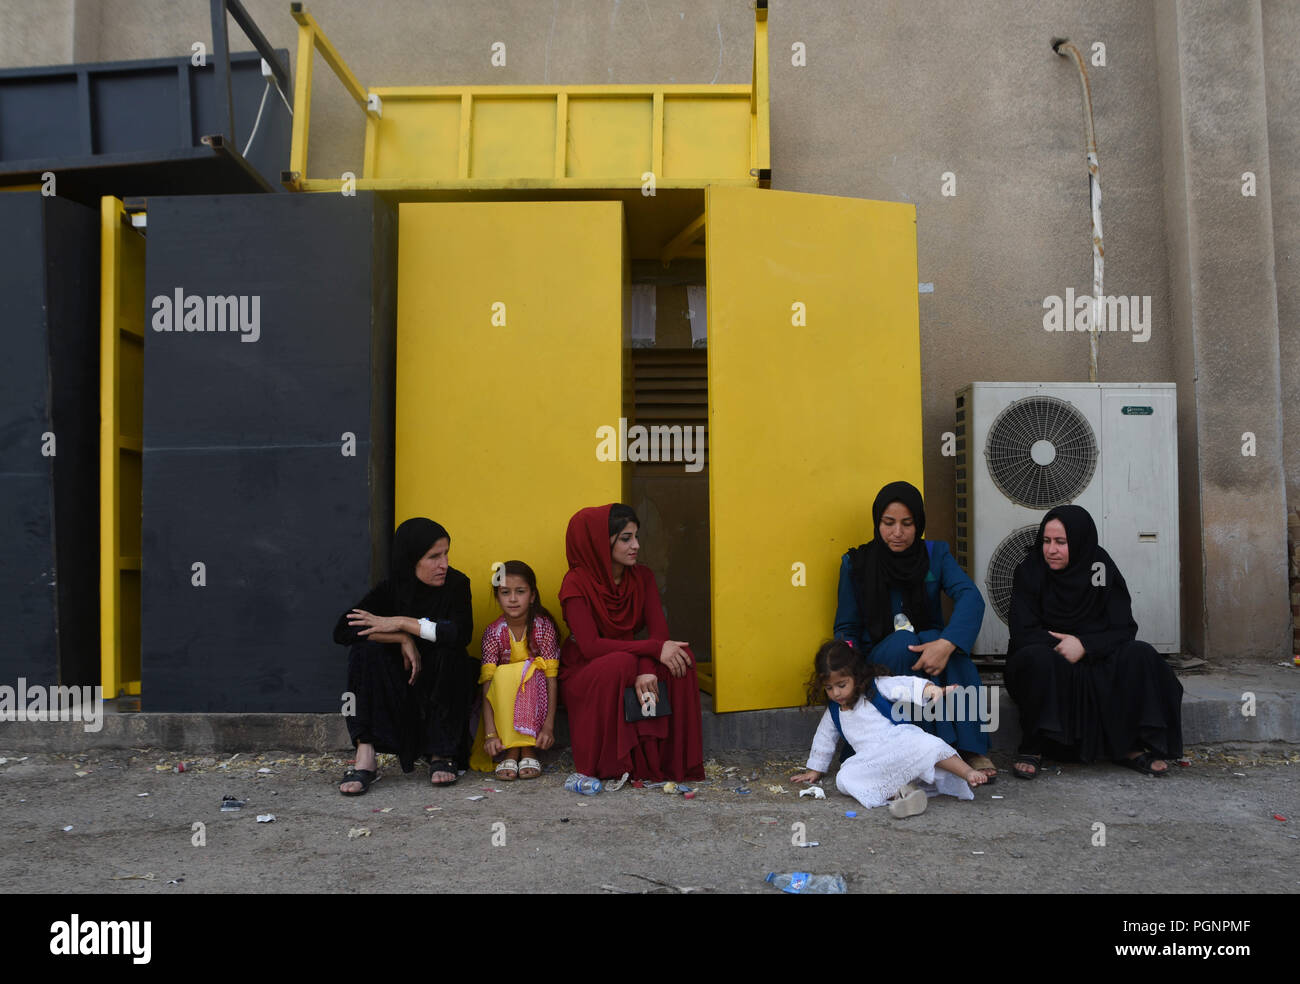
[1084, 684]
[408, 669]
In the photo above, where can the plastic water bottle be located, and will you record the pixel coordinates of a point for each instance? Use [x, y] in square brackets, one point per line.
[586, 785]
[802, 883]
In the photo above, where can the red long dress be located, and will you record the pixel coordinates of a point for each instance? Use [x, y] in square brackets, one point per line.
[601, 659]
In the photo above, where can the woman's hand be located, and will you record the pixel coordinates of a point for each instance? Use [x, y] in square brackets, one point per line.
[411, 658]
[934, 656]
[546, 736]
[675, 657]
[1069, 646]
[809, 776]
[374, 623]
[647, 683]
[492, 746]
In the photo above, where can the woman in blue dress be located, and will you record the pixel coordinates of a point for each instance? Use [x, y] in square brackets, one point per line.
[889, 608]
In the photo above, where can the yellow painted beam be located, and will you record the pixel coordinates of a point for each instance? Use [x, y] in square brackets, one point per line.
[712, 91]
[331, 55]
[760, 101]
[121, 314]
[301, 99]
[111, 216]
[514, 184]
[681, 242]
[463, 147]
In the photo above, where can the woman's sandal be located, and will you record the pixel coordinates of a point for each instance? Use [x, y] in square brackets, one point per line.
[443, 765]
[1035, 762]
[1142, 763]
[507, 770]
[529, 768]
[363, 776]
[981, 763]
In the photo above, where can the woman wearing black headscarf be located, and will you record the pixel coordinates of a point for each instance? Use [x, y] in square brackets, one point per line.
[409, 672]
[890, 610]
[1084, 684]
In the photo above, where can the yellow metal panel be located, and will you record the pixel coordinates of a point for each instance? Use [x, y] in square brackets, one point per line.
[609, 137]
[513, 137]
[706, 137]
[121, 378]
[418, 139]
[496, 424]
[806, 422]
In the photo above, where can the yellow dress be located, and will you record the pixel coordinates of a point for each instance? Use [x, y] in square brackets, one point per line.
[506, 680]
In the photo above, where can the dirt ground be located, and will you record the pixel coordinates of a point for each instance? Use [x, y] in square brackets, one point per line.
[127, 822]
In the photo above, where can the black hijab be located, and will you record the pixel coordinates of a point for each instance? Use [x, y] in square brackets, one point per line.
[1071, 599]
[411, 596]
[876, 568]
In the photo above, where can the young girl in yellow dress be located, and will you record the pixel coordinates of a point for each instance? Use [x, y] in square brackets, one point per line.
[520, 663]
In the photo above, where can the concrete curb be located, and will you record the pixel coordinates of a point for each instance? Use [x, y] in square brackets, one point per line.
[1212, 713]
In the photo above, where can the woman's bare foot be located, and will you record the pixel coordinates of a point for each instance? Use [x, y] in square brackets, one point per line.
[442, 777]
[367, 761]
[1155, 765]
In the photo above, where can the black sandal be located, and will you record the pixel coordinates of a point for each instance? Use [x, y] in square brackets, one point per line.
[363, 776]
[1142, 763]
[443, 765]
[1033, 761]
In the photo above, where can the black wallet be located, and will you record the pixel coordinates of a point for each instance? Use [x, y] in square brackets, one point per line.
[632, 706]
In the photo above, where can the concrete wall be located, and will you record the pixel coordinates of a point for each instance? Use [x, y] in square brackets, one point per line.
[893, 95]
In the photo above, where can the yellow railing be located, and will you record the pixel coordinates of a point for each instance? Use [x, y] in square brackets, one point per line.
[431, 138]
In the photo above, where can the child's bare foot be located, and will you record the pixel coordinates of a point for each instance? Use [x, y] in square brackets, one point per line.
[976, 778]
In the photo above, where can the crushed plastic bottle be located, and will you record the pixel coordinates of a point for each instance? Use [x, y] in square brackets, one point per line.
[586, 785]
[802, 883]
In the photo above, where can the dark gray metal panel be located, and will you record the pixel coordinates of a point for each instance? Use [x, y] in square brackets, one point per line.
[77, 120]
[243, 463]
[72, 303]
[49, 599]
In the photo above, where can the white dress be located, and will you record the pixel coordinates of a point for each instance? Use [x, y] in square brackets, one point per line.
[886, 755]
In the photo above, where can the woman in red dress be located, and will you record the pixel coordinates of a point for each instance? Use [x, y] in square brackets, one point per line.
[607, 599]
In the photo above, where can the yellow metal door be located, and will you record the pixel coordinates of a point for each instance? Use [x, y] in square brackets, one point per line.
[121, 422]
[510, 341]
[814, 404]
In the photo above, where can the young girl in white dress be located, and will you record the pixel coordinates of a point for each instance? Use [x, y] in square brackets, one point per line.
[887, 756]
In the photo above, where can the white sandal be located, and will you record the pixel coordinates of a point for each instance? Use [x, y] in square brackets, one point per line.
[910, 802]
[529, 763]
[507, 765]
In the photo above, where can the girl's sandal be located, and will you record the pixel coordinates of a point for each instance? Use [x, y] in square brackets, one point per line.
[529, 768]
[507, 770]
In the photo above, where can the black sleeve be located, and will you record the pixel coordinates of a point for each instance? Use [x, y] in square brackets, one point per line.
[1025, 617]
[457, 629]
[376, 601]
[1120, 627]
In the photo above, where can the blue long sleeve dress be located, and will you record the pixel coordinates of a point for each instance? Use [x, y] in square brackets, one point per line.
[945, 576]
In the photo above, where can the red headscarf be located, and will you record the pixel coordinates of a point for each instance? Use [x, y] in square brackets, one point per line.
[616, 608]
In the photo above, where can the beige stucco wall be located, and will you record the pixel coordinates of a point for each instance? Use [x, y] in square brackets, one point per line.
[893, 95]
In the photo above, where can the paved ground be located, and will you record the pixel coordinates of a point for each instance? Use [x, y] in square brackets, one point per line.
[1209, 828]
